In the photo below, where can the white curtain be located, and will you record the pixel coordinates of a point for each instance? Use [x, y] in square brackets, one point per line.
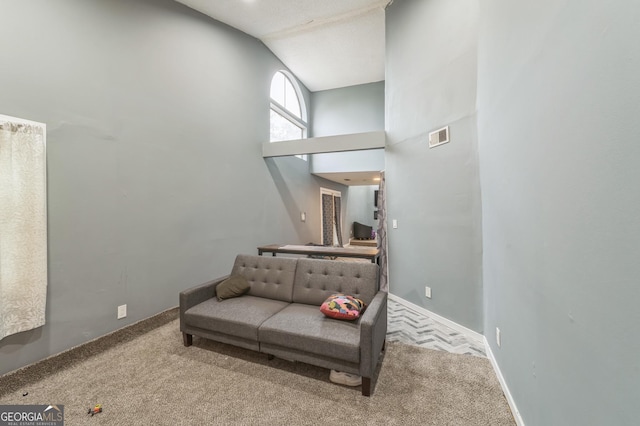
[23, 225]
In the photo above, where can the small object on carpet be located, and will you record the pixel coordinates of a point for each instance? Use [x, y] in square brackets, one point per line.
[346, 379]
[25, 393]
[95, 410]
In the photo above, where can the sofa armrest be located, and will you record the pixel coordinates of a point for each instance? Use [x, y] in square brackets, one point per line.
[198, 294]
[373, 332]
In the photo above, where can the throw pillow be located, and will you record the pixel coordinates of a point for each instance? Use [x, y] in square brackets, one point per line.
[344, 307]
[234, 286]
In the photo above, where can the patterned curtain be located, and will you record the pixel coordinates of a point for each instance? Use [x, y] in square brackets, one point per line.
[23, 226]
[336, 209]
[327, 219]
[382, 233]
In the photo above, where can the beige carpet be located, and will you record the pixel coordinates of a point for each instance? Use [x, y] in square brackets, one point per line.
[144, 375]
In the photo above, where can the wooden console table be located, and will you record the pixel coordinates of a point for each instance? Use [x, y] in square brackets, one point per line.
[370, 253]
[363, 243]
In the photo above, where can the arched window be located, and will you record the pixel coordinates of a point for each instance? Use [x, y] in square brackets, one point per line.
[288, 112]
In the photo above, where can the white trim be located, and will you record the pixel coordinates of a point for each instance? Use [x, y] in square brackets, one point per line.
[282, 111]
[287, 117]
[325, 144]
[474, 335]
[335, 194]
[503, 384]
[300, 122]
[330, 192]
[296, 87]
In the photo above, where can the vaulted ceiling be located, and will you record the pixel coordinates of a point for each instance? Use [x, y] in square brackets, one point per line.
[327, 44]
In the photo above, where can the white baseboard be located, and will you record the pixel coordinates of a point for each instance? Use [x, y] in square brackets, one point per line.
[479, 338]
[503, 384]
[474, 335]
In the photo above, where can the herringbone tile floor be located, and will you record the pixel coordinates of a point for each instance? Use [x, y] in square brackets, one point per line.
[408, 326]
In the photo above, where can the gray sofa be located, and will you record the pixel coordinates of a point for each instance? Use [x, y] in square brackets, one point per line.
[280, 315]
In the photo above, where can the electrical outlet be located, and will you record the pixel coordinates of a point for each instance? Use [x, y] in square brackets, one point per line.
[427, 292]
[498, 337]
[122, 311]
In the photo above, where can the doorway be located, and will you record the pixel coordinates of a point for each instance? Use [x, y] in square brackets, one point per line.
[331, 207]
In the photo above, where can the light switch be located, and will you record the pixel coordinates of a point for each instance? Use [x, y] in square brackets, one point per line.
[395, 223]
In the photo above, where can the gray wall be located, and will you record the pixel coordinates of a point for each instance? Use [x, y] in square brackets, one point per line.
[558, 108]
[434, 194]
[353, 109]
[300, 192]
[155, 118]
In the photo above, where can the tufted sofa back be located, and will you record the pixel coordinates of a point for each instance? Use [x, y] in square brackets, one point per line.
[269, 277]
[315, 280]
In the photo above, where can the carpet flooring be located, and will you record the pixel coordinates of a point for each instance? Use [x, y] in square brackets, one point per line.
[144, 375]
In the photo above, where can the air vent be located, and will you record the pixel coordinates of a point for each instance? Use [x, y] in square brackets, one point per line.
[439, 137]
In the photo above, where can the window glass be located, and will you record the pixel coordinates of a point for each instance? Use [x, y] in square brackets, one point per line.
[286, 115]
[278, 88]
[291, 99]
[283, 129]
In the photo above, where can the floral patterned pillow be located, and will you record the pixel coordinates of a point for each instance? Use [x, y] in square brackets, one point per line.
[344, 307]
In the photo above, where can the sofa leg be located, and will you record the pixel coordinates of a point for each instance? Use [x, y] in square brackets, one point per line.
[384, 345]
[366, 386]
[187, 339]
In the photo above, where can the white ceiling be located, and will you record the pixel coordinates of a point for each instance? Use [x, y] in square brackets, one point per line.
[352, 178]
[327, 44]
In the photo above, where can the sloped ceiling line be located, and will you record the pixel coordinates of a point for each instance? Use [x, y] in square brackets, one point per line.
[315, 24]
[327, 44]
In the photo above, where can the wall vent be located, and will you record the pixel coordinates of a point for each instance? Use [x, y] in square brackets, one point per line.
[439, 137]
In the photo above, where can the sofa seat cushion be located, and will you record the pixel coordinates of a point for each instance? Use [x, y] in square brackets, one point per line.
[305, 328]
[240, 316]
